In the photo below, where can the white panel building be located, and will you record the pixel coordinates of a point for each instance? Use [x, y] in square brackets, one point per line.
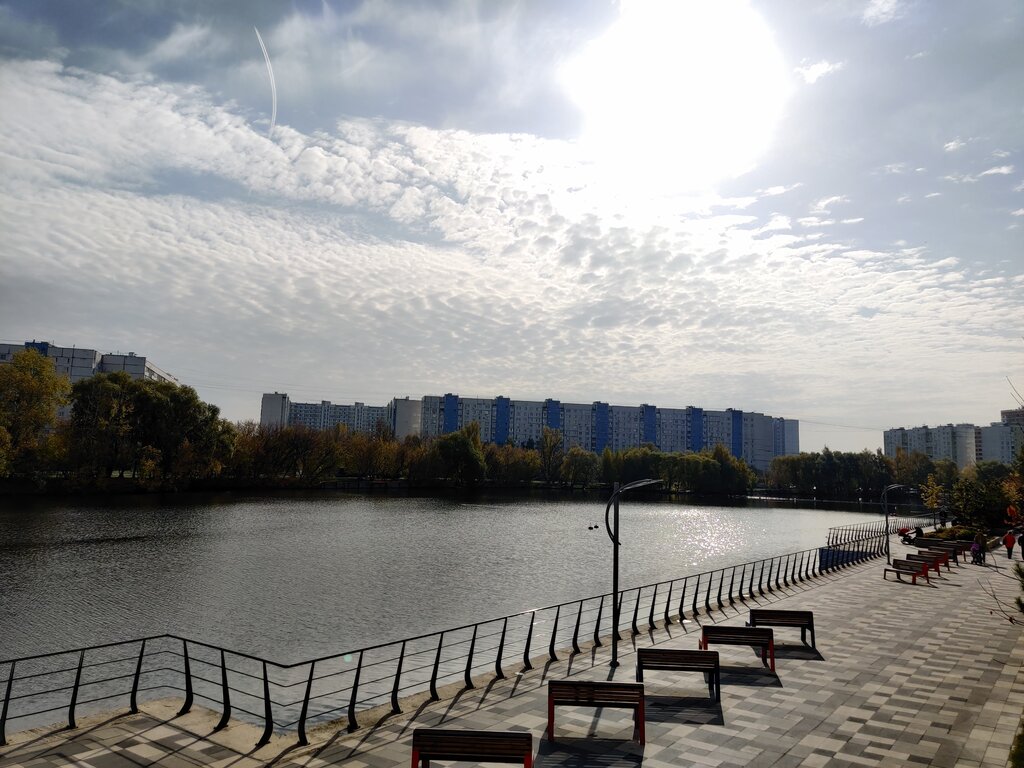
[577, 421]
[78, 364]
[526, 422]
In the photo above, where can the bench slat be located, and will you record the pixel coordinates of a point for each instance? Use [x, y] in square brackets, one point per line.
[486, 746]
[683, 660]
[597, 693]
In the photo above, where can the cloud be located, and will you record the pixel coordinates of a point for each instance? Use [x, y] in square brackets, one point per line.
[954, 145]
[1018, 212]
[811, 73]
[1002, 170]
[882, 12]
[825, 204]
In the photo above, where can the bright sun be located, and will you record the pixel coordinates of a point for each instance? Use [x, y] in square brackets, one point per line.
[679, 95]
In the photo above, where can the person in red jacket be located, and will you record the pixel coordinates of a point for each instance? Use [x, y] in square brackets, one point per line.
[1008, 541]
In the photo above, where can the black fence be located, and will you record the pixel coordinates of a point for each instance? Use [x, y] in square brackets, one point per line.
[843, 533]
[50, 688]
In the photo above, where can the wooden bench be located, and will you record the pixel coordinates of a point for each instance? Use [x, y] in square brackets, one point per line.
[929, 560]
[588, 693]
[778, 618]
[683, 660]
[942, 555]
[476, 746]
[955, 548]
[912, 569]
[760, 636]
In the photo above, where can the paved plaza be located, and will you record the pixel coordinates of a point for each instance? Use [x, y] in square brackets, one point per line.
[904, 675]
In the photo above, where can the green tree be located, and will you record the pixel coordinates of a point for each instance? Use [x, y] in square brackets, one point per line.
[550, 454]
[461, 455]
[579, 467]
[31, 391]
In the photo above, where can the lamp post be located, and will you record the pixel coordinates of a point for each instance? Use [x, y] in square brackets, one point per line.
[885, 509]
[613, 534]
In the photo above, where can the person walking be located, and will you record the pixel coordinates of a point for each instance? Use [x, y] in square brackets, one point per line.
[1008, 541]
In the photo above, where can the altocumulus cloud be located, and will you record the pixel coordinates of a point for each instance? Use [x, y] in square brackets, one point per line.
[491, 263]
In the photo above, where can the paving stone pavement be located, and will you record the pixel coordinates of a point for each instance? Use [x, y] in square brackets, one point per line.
[904, 675]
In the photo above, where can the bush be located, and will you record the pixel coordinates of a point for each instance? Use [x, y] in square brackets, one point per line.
[959, 532]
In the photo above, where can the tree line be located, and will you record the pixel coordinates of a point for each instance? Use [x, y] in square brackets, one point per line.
[158, 435]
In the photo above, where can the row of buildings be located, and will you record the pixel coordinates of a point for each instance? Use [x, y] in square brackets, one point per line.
[79, 363]
[754, 437]
[965, 444]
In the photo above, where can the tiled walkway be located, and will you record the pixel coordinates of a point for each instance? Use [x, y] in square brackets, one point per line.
[905, 675]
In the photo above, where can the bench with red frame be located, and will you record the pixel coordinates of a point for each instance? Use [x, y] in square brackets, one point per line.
[471, 746]
[682, 660]
[759, 636]
[774, 617]
[597, 693]
[912, 569]
[933, 561]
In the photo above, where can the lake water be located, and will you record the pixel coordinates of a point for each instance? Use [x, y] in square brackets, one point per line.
[294, 576]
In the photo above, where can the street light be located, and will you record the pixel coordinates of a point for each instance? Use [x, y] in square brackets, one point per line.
[885, 509]
[613, 534]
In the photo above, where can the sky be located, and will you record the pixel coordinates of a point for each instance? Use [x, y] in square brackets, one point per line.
[808, 209]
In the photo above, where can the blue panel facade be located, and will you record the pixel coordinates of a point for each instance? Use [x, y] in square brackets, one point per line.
[737, 433]
[451, 413]
[502, 412]
[42, 347]
[553, 414]
[600, 426]
[649, 424]
[696, 418]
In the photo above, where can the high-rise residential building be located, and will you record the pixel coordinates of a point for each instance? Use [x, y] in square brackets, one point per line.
[79, 363]
[1000, 441]
[275, 410]
[954, 442]
[1013, 416]
[404, 417]
[754, 437]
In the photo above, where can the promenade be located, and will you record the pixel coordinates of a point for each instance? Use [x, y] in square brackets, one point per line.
[926, 675]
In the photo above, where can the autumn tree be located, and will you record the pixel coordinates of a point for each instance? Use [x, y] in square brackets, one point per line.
[579, 467]
[31, 391]
[550, 454]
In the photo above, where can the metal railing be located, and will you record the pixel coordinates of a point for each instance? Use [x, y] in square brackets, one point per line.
[841, 534]
[339, 687]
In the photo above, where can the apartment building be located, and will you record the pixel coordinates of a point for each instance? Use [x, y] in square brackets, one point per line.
[754, 437]
[79, 363]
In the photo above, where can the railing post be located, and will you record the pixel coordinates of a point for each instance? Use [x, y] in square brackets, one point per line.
[303, 741]
[682, 601]
[133, 704]
[469, 659]
[707, 594]
[187, 704]
[750, 587]
[268, 713]
[554, 629]
[352, 724]
[619, 599]
[7, 700]
[576, 630]
[226, 694]
[696, 591]
[668, 603]
[771, 567]
[785, 571]
[437, 665]
[654, 600]
[777, 572]
[597, 624]
[760, 581]
[721, 583]
[74, 691]
[732, 582]
[636, 612]
[501, 649]
[395, 709]
[526, 648]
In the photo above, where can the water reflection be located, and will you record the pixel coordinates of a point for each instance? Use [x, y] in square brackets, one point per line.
[300, 575]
